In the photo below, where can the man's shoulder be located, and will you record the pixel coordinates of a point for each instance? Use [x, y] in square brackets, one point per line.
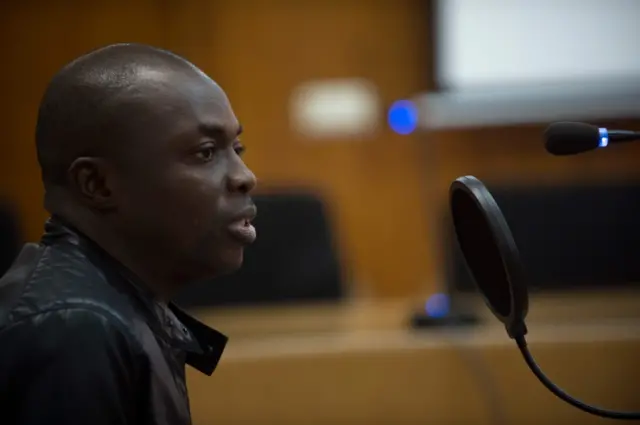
[73, 325]
[70, 330]
[75, 344]
[49, 280]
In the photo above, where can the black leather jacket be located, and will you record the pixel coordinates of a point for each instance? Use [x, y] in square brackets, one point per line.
[81, 342]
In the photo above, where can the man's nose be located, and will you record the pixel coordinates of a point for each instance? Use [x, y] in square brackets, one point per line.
[241, 179]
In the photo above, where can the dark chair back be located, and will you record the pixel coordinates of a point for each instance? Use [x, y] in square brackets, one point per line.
[293, 259]
[10, 237]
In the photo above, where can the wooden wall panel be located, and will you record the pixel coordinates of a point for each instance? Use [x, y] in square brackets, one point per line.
[259, 54]
[37, 38]
[516, 154]
[385, 194]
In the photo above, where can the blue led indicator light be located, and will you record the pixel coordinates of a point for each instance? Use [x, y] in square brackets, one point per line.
[604, 138]
[403, 117]
[437, 305]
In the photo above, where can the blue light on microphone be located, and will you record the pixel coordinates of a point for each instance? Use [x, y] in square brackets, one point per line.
[437, 305]
[604, 137]
[403, 117]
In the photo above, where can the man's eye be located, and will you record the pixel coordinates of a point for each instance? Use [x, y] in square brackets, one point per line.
[239, 149]
[206, 154]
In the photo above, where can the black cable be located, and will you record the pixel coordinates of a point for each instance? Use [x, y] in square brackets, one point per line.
[604, 413]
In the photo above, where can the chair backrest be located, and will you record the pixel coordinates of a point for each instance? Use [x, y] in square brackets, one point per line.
[570, 236]
[10, 237]
[293, 259]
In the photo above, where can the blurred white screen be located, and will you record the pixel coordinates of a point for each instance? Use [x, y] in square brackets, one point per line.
[484, 44]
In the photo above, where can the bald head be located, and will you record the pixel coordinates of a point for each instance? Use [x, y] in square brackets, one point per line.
[141, 151]
[98, 104]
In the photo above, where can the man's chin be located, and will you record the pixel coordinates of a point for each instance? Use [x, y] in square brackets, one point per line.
[223, 263]
[227, 262]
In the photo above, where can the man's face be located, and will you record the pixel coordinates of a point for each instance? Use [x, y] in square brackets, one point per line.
[184, 188]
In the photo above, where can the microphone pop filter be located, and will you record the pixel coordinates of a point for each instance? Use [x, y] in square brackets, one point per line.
[490, 252]
[492, 258]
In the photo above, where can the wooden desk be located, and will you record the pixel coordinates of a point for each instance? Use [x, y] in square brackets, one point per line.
[357, 364]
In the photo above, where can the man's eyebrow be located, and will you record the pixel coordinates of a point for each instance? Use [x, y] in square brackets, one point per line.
[218, 131]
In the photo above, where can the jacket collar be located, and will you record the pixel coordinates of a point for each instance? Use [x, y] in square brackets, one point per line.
[203, 345]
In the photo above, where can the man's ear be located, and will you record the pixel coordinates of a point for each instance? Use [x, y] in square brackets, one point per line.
[92, 180]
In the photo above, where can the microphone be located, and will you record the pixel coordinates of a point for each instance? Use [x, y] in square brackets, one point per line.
[493, 260]
[570, 138]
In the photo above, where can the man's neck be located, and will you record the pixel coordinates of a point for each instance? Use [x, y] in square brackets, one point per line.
[145, 266]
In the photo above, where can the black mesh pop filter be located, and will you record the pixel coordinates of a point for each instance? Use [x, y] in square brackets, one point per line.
[493, 260]
[490, 252]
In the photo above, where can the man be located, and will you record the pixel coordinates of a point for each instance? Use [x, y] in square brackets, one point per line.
[141, 165]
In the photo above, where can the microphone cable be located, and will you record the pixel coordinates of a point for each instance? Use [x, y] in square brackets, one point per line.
[558, 392]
